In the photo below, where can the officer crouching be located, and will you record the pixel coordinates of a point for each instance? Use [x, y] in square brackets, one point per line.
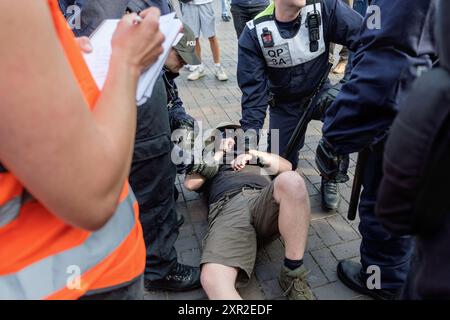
[283, 54]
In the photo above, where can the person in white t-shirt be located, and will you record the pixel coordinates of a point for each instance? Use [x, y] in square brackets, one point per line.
[199, 15]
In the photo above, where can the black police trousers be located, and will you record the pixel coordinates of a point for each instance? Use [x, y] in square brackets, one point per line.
[152, 179]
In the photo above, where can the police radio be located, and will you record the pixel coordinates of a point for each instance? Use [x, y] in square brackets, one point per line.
[313, 22]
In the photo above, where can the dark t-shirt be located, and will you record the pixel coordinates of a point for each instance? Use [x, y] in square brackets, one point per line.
[228, 181]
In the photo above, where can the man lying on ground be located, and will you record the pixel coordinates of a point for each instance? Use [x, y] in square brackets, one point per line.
[251, 202]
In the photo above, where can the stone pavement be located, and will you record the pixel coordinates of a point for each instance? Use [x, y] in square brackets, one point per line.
[331, 236]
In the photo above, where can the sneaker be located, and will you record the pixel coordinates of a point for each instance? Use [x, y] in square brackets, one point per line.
[198, 73]
[180, 278]
[226, 17]
[294, 284]
[220, 74]
[330, 195]
[190, 67]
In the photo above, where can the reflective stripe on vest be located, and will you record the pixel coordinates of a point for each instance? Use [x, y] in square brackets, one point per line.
[10, 210]
[51, 274]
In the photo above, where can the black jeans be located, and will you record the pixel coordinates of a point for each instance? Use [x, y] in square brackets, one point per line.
[241, 15]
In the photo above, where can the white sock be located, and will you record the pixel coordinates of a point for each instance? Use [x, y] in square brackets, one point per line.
[217, 65]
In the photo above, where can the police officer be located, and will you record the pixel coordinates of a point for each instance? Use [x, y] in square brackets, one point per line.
[153, 173]
[283, 54]
[391, 56]
[410, 201]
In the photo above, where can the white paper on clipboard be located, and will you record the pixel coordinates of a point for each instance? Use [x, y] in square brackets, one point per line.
[98, 60]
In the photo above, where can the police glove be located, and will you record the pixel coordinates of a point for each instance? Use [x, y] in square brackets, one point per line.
[327, 98]
[329, 164]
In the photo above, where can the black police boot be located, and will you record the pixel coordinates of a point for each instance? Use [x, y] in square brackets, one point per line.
[180, 278]
[349, 273]
[330, 195]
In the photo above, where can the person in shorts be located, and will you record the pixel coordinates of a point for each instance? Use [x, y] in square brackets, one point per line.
[199, 16]
[252, 202]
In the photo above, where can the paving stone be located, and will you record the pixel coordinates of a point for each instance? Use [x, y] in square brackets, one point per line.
[197, 294]
[315, 200]
[267, 271]
[346, 250]
[316, 277]
[318, 213]
[252, 291]
[334, 291]
[311, 188]
[186, 244]
[342, 228]
[200, 229]
[182, 209]
[198, 209]
[326, 232]
[186, 231]
[271, 289]
[155, 295]
[275, 250]
[314, 242]
[191, 257]
[191, 195]
[327, 263]
[262, 257]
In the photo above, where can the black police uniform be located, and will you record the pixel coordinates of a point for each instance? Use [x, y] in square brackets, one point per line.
[414, 190]
[389, 60]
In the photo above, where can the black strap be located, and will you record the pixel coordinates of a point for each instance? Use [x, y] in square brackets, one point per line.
[2, 168]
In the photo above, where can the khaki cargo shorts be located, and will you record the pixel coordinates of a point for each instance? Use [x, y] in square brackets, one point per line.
[237, 225]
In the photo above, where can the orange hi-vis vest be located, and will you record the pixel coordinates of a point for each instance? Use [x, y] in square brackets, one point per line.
[42, 257]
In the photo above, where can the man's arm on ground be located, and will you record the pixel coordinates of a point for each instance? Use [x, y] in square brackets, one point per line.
[194, 181]
[273, 163]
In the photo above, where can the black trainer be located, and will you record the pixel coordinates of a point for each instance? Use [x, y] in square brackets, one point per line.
[349, 273]
[180, 278]
[330, 195]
